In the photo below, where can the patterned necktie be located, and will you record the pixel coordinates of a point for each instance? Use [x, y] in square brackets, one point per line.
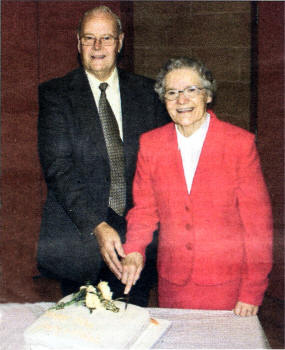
[114, 144]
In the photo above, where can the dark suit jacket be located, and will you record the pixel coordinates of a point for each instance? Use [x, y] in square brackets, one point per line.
[75, 163]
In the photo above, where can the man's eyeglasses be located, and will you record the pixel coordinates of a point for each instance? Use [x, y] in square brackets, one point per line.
[106, 40]
[189, 92]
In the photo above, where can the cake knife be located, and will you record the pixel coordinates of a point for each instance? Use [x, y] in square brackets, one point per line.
[127, 298]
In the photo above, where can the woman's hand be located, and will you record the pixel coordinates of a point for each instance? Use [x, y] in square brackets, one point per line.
[244, 309]
[132, 266]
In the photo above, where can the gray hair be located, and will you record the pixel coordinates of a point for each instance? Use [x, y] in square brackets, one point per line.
[101, 9]
[208, 81]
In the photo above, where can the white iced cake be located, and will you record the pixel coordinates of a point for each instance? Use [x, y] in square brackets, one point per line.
[87, 325]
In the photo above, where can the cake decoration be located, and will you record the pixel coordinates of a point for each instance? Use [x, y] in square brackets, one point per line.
[99, 297]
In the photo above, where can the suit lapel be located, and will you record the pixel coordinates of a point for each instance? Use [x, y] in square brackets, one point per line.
[86, 112]
[130, 105]
[131, 110]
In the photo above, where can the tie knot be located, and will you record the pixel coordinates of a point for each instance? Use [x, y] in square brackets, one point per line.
[103, 86]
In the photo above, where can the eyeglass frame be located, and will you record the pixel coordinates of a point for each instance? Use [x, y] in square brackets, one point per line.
[95, 40]
[178, 92]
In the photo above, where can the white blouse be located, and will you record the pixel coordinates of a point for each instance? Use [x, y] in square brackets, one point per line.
[190, 149]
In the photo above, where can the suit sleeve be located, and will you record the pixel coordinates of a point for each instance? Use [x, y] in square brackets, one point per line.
[255, 212]
[63, 176]
[142, 219]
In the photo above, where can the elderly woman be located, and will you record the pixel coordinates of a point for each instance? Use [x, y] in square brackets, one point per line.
[199, 180]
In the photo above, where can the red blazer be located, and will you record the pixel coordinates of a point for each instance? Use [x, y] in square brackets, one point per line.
[222, 231]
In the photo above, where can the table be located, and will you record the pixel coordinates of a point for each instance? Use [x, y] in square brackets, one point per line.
[190, 329]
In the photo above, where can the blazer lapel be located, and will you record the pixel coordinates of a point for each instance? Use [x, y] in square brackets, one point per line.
[173, 161]
[210, 161]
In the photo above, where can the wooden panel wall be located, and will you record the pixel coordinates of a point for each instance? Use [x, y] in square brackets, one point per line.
[216, 32]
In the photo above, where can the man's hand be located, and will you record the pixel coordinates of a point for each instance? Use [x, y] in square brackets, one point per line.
[132, 267]
[110, 245]
[244, 309]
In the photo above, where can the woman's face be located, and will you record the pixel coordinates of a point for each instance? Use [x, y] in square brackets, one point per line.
[188, 113]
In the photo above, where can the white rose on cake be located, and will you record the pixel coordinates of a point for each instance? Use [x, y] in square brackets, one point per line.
[105, 290]
[92, 301]
[91, 289]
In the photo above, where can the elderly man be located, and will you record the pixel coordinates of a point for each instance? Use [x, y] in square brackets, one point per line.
[89, 124]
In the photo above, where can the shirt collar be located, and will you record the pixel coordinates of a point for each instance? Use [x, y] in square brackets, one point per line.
[112, 81]
[198, 134]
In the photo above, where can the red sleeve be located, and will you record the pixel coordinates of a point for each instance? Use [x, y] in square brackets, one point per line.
[255, 211]
[142, 219]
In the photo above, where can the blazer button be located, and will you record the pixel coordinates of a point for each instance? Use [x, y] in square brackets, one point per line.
[187, 208]
[188, 227]
[188, 246]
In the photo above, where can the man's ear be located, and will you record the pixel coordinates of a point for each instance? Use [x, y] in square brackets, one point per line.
[121, 41]
[78, 44]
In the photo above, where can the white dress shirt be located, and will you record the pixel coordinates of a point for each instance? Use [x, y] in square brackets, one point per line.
[190, 149]
[112, 93]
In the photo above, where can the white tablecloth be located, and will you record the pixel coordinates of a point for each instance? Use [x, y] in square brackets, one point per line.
[190, 329]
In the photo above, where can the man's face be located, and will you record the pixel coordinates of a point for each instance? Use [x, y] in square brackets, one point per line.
[98, 59]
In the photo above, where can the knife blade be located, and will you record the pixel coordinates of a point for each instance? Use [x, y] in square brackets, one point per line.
[127, 299]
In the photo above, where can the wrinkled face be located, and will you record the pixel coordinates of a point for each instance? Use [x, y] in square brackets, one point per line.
[98, 59]
[188, 113]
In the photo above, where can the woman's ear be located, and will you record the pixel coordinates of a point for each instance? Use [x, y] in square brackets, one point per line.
[209, 99]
